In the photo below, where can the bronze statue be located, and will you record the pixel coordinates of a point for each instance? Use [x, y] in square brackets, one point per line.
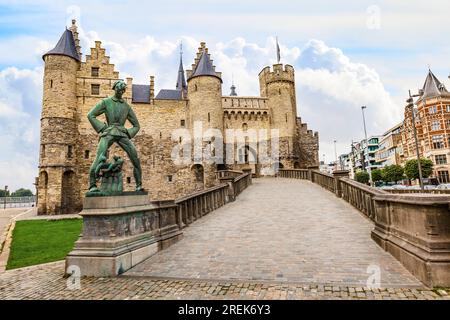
[117, 112]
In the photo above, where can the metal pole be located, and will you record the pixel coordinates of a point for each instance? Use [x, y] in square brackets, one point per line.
[416, 141]
[4, 203]
[367, 146]
[335, 154]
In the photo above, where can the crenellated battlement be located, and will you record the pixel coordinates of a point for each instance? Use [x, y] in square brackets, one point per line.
[279, 72]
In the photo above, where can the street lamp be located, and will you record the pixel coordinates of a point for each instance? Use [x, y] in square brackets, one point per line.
[4, 202]
[367, 145]
[410, 102]
[335, 154]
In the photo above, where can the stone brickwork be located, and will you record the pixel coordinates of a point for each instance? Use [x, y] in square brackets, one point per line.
[68, 142]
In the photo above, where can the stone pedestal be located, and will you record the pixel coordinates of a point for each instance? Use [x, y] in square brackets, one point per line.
[121, 231]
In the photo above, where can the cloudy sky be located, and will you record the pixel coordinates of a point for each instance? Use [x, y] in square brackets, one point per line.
[346, 54]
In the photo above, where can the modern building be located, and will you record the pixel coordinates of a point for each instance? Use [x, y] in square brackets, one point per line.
[432, 123]
[390, 150]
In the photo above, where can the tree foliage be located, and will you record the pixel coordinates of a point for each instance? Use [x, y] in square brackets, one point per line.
[412, 168]
[2, 193]
[393, 173]
[377, 175]
[362, 177]
[22, 193]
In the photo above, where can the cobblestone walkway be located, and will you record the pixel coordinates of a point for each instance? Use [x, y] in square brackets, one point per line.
[47, 282]
[283, 230]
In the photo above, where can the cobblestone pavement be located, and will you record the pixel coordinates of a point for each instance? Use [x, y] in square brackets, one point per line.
[47, 282]
[280, 230]
[5, 219]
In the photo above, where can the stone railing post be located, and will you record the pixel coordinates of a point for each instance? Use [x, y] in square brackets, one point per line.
[338, 175]
[310, 172]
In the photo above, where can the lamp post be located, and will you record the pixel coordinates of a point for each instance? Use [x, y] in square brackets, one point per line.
[4, 202]
[367, 145]
[335, 154]
[410, 102]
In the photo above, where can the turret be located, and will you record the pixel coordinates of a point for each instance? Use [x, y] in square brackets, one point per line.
[278, 85]
[58, 127]
[205, 91]
[205, 102]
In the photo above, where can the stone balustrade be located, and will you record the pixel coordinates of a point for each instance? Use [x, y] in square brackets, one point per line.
[325, 180]
[294, 174]
[414, 227]
[237, 184]
[196, 205]
[228, 173]
[360, 196]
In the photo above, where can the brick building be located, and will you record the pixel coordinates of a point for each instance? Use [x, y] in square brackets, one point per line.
[433, 127]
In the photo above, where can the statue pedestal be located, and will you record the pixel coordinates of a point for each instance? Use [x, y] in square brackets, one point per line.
[121, 231]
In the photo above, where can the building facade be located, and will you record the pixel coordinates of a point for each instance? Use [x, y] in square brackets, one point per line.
[390, 150]
[73, 85]
[432, 115]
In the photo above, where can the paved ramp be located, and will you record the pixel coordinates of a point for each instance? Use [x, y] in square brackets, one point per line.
[280, 230]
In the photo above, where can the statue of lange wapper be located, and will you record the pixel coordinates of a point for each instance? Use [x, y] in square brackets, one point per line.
[117, 111]
[120, 229]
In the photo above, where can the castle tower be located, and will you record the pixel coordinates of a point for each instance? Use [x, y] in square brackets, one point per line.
[279, 87]
[59, 129]
[205, 99]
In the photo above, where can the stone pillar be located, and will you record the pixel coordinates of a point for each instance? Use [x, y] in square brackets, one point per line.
[310, 170]
[338, 175]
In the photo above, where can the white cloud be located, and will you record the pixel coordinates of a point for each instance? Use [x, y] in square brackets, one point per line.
[20, 105]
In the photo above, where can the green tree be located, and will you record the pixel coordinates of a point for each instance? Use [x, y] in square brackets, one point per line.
[2, 193]
[412, 169]
[362, 177]
[377, 175]
[22, 193]
[393, 173]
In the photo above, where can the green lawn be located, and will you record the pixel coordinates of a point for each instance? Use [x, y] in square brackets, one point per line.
[41, 241]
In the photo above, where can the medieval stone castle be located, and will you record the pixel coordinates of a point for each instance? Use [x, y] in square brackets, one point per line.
[72, 86]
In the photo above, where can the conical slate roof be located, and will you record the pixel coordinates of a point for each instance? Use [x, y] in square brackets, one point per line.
[181, 81]
[204, 67]
[432, 86]
[65, 46]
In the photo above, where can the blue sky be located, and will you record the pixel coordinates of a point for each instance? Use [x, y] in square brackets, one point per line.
[346, 54]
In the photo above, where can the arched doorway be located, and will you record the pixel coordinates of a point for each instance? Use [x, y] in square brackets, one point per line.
[68, 203]
[42, 193]
[199, 175]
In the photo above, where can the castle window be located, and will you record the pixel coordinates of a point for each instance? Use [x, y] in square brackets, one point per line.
[195, 87]
[69, 152]
[183, 123]
[169, 178]
[209, 117]
[86, 154]
[95, 89]
[244, 127]
[95, 72]
[160, 135]
[43, 151]
[51, 83]
[279, 91]
[129, 180]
